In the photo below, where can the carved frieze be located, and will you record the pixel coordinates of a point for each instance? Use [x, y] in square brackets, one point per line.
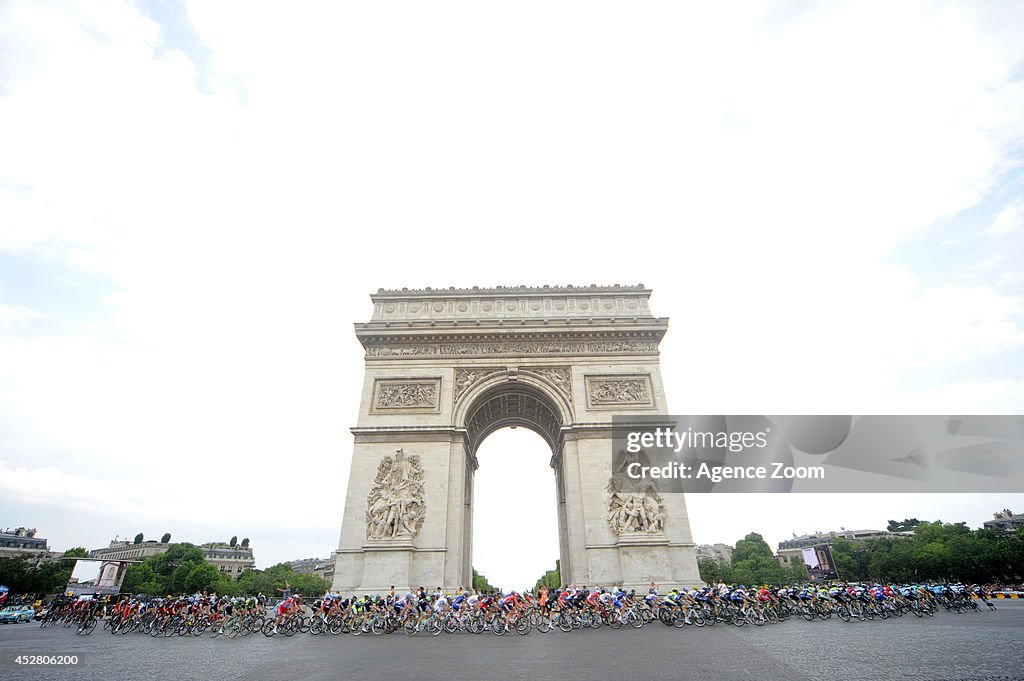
[421, 394]
[560, 377]
[466, 378]
[617, 391]
[395, 507]
[552, 347]
[634, 505]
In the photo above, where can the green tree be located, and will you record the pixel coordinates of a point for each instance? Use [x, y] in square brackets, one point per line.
[795, 572]
[138, 538]
[77, 552]
[713, 570]
[904, 525]
[179, 577]
[202, 577]
[849, 559]
[751, 546]
[551, 579]
[480, 583]
[140, 578]
[165, 563]
[14, 573]
[753, 562]
[22, 575]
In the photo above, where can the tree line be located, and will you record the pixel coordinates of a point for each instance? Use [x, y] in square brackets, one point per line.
[24, 575]
[936, 551]
[752, 563]
[182, 569]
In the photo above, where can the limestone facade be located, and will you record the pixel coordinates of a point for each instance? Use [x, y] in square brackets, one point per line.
[444, 369]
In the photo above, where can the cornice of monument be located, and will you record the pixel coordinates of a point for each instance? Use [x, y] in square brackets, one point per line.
[511, 321]
[568, 289]
[545, 305]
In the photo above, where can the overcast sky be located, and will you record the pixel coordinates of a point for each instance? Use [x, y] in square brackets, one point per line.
[197, 197]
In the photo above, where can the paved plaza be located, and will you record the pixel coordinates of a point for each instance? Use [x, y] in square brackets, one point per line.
[986, 645]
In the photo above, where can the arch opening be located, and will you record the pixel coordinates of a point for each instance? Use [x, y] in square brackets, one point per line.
[510, 404]
[489, 419]
[514, 497]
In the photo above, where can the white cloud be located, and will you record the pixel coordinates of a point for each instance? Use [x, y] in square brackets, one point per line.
[1009, 219]
[756, 169]
[12, 316]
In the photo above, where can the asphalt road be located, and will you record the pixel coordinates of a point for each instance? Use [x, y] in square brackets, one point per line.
[986, 645]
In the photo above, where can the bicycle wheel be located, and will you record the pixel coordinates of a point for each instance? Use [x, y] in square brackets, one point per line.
[843, 612]
[268, 628]
[697, 617]
[524, 626]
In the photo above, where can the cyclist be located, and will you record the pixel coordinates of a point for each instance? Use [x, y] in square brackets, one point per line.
[286, 609]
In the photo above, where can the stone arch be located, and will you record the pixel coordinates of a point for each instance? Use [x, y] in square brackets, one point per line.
[522, 399]
[444, 368]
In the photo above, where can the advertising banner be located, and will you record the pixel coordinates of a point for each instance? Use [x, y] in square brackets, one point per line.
[818, 560]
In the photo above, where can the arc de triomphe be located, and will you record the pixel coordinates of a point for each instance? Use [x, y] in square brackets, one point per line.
[445, 368]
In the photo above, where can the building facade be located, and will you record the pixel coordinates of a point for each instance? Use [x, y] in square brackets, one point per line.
[1005, 520]
[321, 567]
[790, 550]
[23, 541]
[231, 560]
[721, 552]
